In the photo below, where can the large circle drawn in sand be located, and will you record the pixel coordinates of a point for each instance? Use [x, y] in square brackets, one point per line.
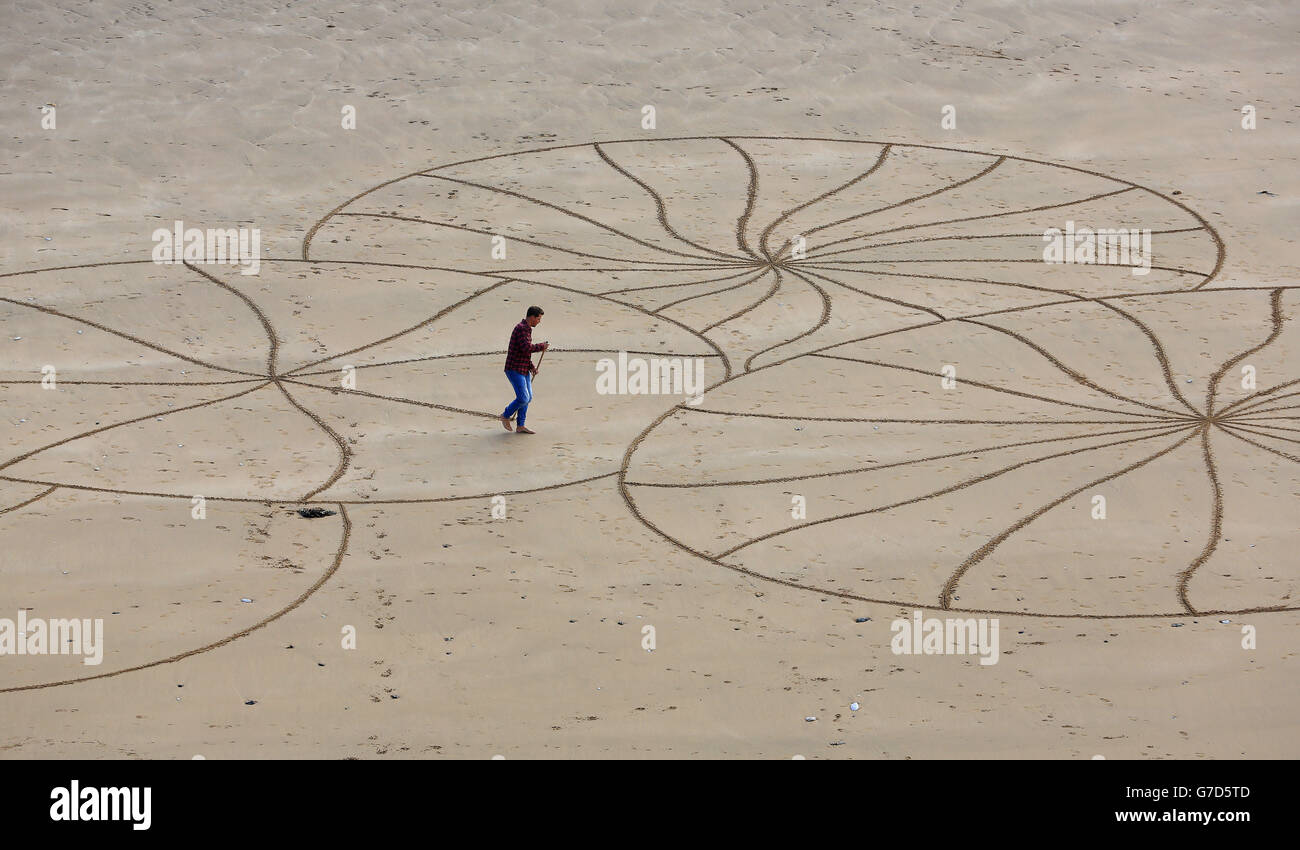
[190, 409]
[1099, 458]
[312, 382]
[836, 278]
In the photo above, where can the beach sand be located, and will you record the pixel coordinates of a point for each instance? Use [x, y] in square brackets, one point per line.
[359, 369]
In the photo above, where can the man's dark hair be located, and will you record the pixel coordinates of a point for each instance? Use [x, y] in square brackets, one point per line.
[534, 311]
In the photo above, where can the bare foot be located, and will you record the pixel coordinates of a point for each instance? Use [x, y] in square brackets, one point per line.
[505, 423]
[523, 430]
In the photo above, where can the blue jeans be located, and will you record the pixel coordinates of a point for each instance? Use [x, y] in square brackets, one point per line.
[523, 386]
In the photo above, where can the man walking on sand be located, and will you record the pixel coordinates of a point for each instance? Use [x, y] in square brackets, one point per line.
[520, 368]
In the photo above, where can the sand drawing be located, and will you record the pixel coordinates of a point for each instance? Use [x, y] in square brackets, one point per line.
[881, 334]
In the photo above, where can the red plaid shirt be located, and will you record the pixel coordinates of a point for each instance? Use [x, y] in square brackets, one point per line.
[519, 354]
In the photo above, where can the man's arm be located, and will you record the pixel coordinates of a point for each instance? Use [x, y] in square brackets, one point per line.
[531, 346]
